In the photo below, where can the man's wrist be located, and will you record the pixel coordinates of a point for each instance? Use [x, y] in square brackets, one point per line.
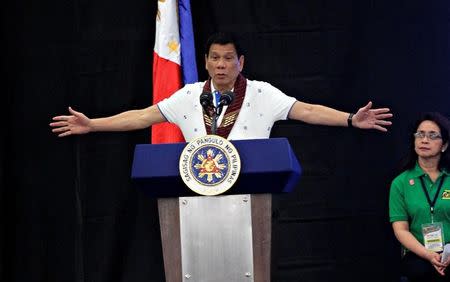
[350, 120]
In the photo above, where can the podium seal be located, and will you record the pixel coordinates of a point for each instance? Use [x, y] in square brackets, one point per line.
[210, 165]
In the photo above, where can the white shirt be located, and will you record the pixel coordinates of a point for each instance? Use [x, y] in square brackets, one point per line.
[263, 105]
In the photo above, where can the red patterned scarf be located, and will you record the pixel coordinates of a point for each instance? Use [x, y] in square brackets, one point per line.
[232, 112]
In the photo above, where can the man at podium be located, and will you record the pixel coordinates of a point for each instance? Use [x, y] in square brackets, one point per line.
[235, 108]
[249, 114]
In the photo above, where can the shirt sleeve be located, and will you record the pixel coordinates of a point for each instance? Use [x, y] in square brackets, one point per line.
[279, 103]
[397, 207]
[180, 103]
[169, 107]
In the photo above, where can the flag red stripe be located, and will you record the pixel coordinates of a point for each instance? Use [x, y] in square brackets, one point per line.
[166, 80]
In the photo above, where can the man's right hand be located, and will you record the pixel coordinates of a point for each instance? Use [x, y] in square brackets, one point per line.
[76, 123]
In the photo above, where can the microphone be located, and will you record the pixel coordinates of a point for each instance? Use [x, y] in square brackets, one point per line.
[206, 100]
[226, 98]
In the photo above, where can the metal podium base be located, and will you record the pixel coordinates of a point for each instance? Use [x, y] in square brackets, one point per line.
[216, 238]
[221, 238]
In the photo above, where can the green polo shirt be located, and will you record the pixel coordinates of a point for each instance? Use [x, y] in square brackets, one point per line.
[408, 202]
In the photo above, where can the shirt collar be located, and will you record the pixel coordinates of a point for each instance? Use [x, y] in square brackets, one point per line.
[214, 88]
[417, 171]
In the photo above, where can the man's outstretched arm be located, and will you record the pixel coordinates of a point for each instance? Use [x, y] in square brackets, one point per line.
[78, 123]
[365, 118]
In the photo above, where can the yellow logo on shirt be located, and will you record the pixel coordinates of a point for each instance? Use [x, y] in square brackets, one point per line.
[446, 195]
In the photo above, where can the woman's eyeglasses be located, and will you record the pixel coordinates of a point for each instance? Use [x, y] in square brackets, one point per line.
[432, 135]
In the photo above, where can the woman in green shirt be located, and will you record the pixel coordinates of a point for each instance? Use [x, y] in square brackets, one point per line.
[419, 201]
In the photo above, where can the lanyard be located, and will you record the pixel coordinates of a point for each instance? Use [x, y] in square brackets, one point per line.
[435, 196]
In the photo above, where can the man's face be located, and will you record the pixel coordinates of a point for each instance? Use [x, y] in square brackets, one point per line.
[223, 65]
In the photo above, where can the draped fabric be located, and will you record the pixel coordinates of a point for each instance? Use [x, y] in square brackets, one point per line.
[173, 60]
[232, 112]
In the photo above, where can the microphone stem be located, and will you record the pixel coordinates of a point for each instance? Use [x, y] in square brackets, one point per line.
[214, 123]
[216, 115]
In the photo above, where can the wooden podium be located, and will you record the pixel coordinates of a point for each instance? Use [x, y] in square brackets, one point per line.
[217, 238]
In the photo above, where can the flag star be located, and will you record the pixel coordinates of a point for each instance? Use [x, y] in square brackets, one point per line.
[173, 46]
[248, 104]
[268, 129]
[195, 129]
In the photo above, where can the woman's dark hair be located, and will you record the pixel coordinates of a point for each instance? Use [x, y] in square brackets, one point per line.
[444, 126]
[223, 38]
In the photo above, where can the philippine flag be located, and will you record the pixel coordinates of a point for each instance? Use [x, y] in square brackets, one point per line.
[173, 60]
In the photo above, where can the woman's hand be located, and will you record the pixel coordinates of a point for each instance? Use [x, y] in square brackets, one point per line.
[435, 260]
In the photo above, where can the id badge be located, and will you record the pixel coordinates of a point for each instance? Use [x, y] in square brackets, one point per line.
[433, 237]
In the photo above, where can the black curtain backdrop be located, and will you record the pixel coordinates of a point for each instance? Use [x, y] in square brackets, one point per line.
[69, 211]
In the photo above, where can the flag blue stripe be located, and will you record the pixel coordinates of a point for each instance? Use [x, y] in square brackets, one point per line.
[188, 63]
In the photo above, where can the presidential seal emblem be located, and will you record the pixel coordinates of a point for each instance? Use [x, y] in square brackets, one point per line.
[210, 165]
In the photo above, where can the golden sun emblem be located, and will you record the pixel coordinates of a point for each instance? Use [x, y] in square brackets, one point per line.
[173, 46]
[210, 165]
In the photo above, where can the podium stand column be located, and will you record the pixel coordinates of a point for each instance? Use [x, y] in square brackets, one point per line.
[221, 238]
[216, 238]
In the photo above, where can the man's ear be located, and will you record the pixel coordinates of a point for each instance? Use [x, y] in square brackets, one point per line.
[241, 63]
[444, 147]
